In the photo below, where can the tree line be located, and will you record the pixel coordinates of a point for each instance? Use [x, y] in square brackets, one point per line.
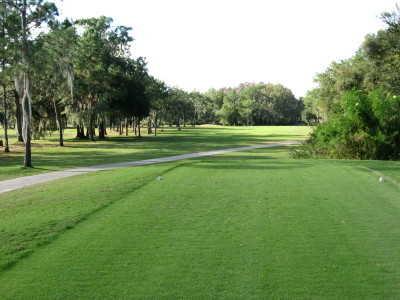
[81, 73]
[357, 101]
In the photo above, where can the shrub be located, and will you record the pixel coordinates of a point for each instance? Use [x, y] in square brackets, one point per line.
[363, 126]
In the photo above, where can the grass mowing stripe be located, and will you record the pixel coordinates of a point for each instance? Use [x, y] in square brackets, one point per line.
[16, 245]
[235, 226]
[382, 175]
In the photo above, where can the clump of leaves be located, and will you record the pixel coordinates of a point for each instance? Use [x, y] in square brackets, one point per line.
[363, 126]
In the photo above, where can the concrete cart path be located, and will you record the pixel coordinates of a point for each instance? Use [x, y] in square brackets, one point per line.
[22, 182]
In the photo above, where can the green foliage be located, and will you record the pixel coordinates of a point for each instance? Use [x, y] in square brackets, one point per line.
[232, 110]
[365, 126]
[340, 77]
[260, 104]
[358, 101]
[81, 73]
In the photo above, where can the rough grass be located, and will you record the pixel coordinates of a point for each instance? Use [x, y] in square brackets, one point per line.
[47, 156]
[244, 225]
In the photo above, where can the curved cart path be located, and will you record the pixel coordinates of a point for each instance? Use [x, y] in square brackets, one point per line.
[22, 182]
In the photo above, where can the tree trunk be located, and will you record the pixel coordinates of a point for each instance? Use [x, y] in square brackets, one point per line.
[61, 136]
[135, 126]
[80, 131]
[27, 123]
[92, 133]
[18, 116]
[59, 125]
[91, 130]
[126, 127]
[149, 128]
[138, 126]
[28, 146]
[26, 98]
[102, 130]
[6, 146]
[3, 67]
[155, 125]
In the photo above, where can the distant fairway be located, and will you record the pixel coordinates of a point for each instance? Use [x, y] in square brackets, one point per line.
[245, 225]
[48, 156]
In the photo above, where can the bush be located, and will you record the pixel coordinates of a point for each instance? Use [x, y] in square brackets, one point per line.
[364, 126]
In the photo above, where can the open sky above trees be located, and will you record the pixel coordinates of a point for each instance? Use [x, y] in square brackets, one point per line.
[203, 44]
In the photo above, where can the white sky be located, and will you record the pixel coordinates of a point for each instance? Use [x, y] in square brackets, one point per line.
[199, 44]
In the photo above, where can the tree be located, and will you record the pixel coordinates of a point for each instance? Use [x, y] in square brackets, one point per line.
[54, 70]
[180, 109]
[230, 112]
[260, 104]
[32, 14]
[157, 93]
[101, 56]
[312, 113]
[4, 53]
[360, 99]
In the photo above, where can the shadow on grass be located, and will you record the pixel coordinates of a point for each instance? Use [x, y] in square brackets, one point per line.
[179, 142]
[250, 162]
[48, 156]
[18, 246]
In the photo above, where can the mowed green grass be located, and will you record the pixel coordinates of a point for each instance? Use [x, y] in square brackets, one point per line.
[48, 156]
[245, 225]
